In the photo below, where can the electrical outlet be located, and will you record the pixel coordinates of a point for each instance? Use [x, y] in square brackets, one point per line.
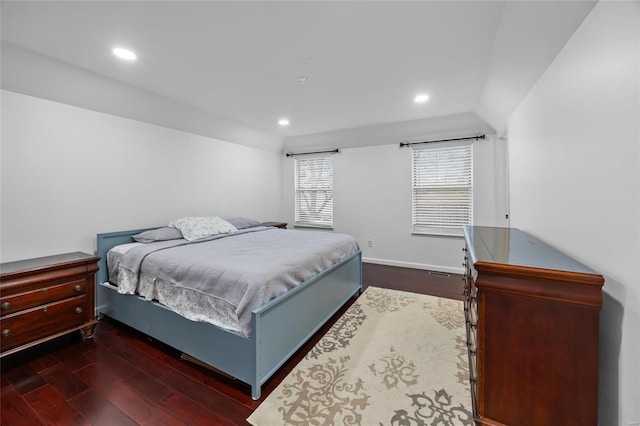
[369, 243]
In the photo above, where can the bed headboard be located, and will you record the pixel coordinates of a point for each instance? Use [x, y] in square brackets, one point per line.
[109, 240]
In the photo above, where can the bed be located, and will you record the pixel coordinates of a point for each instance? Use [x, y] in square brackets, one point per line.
[274, 329]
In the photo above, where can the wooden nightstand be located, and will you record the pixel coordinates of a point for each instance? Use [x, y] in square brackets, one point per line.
[44, 298]
[282, 225]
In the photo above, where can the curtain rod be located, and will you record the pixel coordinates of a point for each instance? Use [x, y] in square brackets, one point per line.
[334, 151]
[442, 140]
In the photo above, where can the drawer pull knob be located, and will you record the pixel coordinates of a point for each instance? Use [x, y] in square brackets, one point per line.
[6, 332]
[77, 288]
[5, 306]
[44, 291]
[78, 310]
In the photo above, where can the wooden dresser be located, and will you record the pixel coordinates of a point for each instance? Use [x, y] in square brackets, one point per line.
[44, 298]
[532, 318]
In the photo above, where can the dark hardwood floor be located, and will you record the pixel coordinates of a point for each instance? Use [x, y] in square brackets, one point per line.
[121, 377]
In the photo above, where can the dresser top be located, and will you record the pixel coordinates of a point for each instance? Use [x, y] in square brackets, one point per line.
[511, 246]
[45, 262]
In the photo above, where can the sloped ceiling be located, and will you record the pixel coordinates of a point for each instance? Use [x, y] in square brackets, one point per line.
[230, 70]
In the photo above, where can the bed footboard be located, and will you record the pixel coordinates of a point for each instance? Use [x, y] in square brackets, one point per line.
[284, 324]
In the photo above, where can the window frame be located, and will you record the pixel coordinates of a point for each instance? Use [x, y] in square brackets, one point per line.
[453, 227]
[313, 186]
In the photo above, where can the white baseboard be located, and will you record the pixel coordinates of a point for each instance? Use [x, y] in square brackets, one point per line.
[424, 266]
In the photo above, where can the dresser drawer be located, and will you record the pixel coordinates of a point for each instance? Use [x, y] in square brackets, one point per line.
[32, 324]
[29, 299]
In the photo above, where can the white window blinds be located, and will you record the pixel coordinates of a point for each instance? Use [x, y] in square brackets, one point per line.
[442, 184]
[314, 191]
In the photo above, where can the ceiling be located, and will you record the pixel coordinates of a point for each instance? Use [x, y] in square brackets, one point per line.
[364, 60]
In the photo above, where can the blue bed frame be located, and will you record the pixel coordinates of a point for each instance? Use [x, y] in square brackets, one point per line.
[278, 328]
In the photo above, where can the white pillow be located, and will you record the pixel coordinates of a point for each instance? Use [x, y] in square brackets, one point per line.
[193, 228]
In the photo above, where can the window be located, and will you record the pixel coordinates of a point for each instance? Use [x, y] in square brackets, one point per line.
[442, 176]
[314, 191]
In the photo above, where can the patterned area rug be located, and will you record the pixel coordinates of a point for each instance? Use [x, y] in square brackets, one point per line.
[394, 358]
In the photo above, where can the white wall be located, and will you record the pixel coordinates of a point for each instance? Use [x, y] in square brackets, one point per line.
[372, 201]
[574, 146]
[69, 173]
[464, 124]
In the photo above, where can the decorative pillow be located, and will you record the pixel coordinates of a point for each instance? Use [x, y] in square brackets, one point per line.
[161, 234]
[193, 228]
[243, 222]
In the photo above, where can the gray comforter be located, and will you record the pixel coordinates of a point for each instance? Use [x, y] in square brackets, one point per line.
[246, 268]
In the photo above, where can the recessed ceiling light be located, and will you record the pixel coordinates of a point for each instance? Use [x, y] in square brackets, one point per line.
[125, 54]
[283, 122]
[421, 98]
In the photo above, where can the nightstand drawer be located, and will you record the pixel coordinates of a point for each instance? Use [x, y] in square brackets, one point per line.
[32, 324]
[26, 300]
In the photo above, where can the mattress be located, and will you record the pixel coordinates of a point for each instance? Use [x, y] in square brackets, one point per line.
[222, 279]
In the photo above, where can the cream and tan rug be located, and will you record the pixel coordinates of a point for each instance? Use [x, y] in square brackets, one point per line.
[393, 358]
